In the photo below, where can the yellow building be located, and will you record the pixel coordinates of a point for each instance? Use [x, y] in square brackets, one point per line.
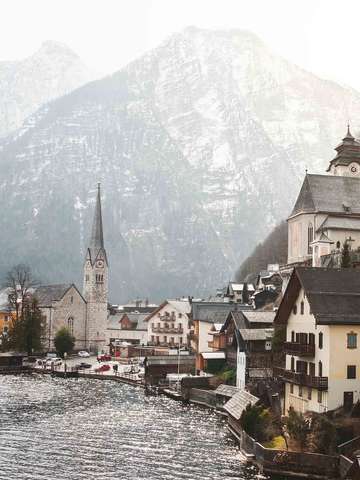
[5, 313]
[320, 311]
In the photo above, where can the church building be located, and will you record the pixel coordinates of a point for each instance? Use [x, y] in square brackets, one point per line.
[83, 314]
[327, 211]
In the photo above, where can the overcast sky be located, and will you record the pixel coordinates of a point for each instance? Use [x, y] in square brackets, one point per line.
[319, 35]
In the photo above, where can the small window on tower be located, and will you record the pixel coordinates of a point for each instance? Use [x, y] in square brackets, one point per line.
[86, 278]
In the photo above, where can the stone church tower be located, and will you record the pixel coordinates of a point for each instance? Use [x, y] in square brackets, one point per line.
[95, 289]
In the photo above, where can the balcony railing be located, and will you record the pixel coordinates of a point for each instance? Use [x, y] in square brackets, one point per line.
[321, 383]
[179, 331]
[300, 349]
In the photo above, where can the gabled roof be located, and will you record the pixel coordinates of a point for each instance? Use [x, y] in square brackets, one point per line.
[342, 223]
[212, 312]
[333, 295]
[46, 294]
[328, 193]
[182, 306]
[257, 316]
[238, 403]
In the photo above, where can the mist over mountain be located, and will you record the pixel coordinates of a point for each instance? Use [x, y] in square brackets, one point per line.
[200, 146]
[25, 85]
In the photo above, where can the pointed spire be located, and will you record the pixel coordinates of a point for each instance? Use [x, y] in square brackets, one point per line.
[348, 134]
[97, 237]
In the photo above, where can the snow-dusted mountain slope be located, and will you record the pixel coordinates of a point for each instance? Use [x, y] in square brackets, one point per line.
[25, 85]
[200, 146]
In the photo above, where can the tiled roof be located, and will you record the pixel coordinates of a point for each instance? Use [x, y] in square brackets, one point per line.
[328, 193]
[333, 294]
[343, 223]
[238, 403]
[46, 294]
[257, 316]
[212, 312]
[256, 334]
[226, 390]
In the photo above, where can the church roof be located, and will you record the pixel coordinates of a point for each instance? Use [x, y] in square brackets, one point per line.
[342, 223]
[328, 193]
[347, 151]
[46, 294]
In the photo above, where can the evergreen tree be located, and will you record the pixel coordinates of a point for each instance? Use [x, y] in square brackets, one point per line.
[64, 341]
[345, 256]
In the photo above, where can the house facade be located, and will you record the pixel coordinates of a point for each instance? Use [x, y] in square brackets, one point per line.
[320, 313]
[128, 328]
[169, 324]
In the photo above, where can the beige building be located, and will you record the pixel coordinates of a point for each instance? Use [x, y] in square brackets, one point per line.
[320, 312]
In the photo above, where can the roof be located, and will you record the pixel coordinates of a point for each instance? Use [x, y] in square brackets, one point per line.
[97, 235]
[46, 294]
[170, 359]
[256, 334]
[138, 319]
[226, 390]
[182, 306]
[343, 223]
[212, 312]
[257, 316]
[238, 403]
[328, 193]
[333, 295]
[213, 355]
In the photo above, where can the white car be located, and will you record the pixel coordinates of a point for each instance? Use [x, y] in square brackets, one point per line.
[83, 353]
[54, 362]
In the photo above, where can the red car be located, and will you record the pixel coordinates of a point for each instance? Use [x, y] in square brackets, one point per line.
[102, 368]
[105, 357]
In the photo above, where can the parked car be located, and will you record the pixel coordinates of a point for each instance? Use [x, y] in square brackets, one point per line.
[40, 362]
[83, 353]
[105, 357]
[51, 355]
[83, 366]
[53, 362]
[102, 368]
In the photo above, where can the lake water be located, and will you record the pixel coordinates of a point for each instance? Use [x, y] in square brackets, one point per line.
[91, 429]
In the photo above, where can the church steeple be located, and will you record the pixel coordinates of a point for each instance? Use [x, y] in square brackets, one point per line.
[96, 245]
[95, 287]
[347, 160]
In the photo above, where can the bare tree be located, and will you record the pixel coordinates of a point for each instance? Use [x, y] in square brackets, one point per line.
[20, 282]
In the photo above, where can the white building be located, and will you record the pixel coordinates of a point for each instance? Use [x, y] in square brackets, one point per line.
[168, 325]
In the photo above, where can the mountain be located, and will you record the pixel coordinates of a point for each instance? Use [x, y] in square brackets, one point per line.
[200, 146]
[25, 85]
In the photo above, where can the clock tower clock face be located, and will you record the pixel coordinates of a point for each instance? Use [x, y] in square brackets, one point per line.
[100, 263]
[354, 168]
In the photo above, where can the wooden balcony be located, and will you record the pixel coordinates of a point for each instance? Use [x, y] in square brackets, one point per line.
[300, 349]
[178, 331]
[299, 378]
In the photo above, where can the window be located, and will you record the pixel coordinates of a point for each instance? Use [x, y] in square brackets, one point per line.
[180, 315]
[300, 391]
[86, 278]
[173, 325]
[181, 340]
[179, 326]
[172, 340]
[338, 245]
[310, 237]
[312, 369]
[157, 340]
[302, 308]
[70, 323]
[71, 299]
[309, 393]
[292, 367]
[351, 340]
[351, 371]
[5, 329]
[6, 318]
[295, 309]
[293, 336]
[321, 340]
[165, 339]
[268, 345]
[291, 388]
[152, 338]
[320, 369]
[319, 396]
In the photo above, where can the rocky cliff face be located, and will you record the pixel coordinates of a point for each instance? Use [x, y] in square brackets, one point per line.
[200, 146]
[54, 70]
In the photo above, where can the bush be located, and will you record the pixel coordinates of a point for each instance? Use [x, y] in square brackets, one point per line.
[256, 422]
[324, 437]
[298, 427]
[64, 341]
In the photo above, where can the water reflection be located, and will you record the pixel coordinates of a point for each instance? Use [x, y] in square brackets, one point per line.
[87, 429]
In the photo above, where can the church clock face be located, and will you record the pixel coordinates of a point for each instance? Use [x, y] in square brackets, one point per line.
[100, 263]
[354, 169]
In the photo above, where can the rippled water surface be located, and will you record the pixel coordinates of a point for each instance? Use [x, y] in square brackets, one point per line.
[89, 429]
